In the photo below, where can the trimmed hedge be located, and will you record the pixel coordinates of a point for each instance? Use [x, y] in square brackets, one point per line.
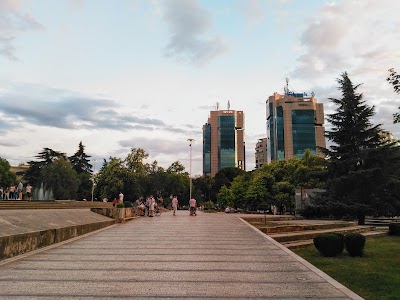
[394, 229]
[329, 244]
[355, 243]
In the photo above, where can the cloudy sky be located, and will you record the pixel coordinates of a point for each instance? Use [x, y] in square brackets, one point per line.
[144, 74]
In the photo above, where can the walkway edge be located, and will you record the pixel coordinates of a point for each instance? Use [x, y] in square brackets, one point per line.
[27, 254]
[323, 275]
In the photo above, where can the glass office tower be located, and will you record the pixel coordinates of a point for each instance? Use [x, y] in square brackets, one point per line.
[295, 122]
[223, 141]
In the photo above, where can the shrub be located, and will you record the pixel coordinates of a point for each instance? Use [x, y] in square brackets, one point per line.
[394, 229]
[128, 204]
[209, 205]
[329, 244]
[120, 205]
[355, 243]
[341, 236]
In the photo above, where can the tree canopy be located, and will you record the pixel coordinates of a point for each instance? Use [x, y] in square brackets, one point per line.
[394, 80]
[6, 176]
[353, 187]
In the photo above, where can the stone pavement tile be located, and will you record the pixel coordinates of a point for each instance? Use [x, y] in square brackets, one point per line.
[211, 256]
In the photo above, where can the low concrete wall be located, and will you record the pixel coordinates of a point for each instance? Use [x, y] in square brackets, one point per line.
[12, 245]
[119, 214]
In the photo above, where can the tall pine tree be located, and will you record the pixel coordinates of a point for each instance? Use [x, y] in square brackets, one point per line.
[352, 187]
[80, 160]
[47, 157]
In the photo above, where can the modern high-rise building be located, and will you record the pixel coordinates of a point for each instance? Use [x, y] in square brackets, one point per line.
[295, 122]
[261, 152]
[223, 141]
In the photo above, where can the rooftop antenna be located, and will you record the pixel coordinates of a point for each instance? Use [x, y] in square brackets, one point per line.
[229, 105]
[287, 86]
[312, 94]
[217, 106]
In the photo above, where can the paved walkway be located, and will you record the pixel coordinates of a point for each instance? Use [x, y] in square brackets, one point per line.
[211, 256]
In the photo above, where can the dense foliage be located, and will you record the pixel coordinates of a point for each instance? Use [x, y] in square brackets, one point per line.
[363, 169]
[394, 80]
[6, 176]
[273, 184]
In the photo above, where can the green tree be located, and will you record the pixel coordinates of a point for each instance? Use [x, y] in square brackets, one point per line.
[283, 195]
[259, 192]
[60, 177]
[135, 161]
[225, 197]
[6, 176]
[111, 178]
[177, 168]
[47, 156]
[394, 80]
[239, 189]
[350, 187]
[224, 177]
[80, 160]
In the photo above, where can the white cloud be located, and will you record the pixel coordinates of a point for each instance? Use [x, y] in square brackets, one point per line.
[13, 22]
[189, 25]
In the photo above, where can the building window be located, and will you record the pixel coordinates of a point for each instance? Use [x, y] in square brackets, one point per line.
[226, 142]
[303, 132]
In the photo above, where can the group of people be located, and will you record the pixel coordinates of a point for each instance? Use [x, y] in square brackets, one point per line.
[14, 192]
[150, 207]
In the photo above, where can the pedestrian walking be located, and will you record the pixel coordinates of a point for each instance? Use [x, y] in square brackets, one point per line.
[175, 204]
[192, 207]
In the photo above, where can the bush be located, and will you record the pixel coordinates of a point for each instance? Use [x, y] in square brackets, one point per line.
[128, 204]
[394, 229]
[355, 243]
[120, 205]
[209, 205]
[329, 244]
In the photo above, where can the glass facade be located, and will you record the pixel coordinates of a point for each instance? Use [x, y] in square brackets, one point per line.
[226, 142]
[207, 148]
[303, 130]
[271, 144]
[280, 134]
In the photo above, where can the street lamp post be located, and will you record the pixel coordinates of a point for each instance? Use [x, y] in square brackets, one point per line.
[93, 175]
[190, 167]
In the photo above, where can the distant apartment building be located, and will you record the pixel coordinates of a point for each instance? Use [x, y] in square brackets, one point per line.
[261, 152]
[295, 122]
[223, 141]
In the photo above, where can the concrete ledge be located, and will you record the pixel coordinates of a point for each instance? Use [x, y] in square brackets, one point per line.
[22, 231]
[20, 243]
[120, 215]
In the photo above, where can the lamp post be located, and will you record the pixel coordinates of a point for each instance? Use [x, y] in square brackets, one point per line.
[190, 167]
[93, 175]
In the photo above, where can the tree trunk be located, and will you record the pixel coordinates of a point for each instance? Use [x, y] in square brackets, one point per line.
[361, 219]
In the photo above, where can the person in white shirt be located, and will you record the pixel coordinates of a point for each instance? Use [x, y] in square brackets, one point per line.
[192, 208]
[29, 192]
[175, 204]
[121, 197]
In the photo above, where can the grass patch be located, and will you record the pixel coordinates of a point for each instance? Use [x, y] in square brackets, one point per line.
[376, 275]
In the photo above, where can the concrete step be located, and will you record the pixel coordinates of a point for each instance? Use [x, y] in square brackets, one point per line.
[304, 243]
[303, 227]
[310, 234]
